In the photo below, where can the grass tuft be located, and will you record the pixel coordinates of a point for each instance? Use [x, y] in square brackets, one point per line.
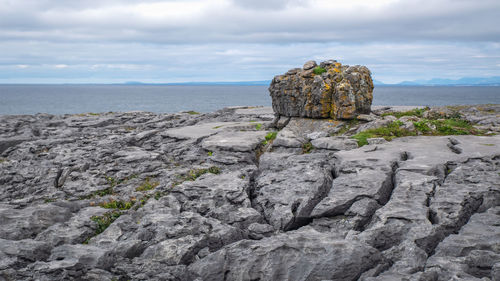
[105, 220]
[147, 185]
[418, 112]
[193, 174]
[307, 147]
[438, 127]
[319, 70]
[118, 204]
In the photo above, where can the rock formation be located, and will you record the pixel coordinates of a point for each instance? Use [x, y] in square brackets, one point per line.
[143, 196]
[330, 90]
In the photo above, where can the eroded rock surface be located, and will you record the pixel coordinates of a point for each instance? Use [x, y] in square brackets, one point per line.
[330, 90]
[142, 196]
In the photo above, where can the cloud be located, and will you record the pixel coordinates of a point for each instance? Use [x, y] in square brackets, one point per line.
[224, 40]
[119, 62]
[270, 21]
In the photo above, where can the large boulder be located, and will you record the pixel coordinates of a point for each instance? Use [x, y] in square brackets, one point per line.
[330, 90]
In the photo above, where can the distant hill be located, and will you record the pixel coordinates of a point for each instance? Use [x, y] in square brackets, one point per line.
[466, 81]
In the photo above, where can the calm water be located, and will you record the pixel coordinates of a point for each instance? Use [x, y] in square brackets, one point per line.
[60, 99]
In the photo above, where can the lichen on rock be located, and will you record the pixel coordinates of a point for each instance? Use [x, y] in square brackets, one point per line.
[338, 92]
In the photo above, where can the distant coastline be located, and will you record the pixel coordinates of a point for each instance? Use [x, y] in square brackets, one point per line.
[465, 81]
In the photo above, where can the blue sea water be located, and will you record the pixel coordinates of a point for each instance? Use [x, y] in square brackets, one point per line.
[62, 99]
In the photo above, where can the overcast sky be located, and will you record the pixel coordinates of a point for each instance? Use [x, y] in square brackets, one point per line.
[97, 41]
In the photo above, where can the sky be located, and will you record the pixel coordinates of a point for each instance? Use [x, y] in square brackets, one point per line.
[114, 41]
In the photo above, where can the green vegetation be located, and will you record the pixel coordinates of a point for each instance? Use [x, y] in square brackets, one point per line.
[112, 182]
[158, 195]
[2, 160]
[307, 147]
[118, 204]
[319, 70]
[346, 127]
[258, 126]
[147, 185]
[210, 153]
[191, 112]
[104, 221]
[418, 112]
[269, 137]
[193, 174]
[388, 132]
[49, 200]
[217, 127]
[427, 127]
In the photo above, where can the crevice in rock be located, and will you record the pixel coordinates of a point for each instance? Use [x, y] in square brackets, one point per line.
[252, 195]
[298, 222]
[384, 198]
[429, 243]
[431, 214]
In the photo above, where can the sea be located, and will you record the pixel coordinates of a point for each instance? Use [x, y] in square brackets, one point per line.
[70, 99]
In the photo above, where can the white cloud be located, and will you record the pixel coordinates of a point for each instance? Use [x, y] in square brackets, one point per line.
[169, 41]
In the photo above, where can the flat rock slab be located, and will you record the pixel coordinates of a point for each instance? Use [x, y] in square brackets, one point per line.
[204, 130]
[299, 131]
[335, 143]
[399, 108]
[265, 110]
[297, 255]
[242, 141]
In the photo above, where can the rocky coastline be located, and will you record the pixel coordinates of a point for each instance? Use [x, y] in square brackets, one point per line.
[223, 196]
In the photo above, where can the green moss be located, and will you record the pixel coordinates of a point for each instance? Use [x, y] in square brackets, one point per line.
[217, 127]
[258, 126]
[147, 185]
[3, 160]
[191, 112]
[319, 70]
[210, 153]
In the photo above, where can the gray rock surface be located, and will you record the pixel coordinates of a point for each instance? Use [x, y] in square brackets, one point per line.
[143, 196]
[337, 91]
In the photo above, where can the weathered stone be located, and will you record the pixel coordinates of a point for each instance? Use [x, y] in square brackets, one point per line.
[335, 143]
[299, 255]
[309, 65]
[341, 92]
[409, 209]
[286, 208]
